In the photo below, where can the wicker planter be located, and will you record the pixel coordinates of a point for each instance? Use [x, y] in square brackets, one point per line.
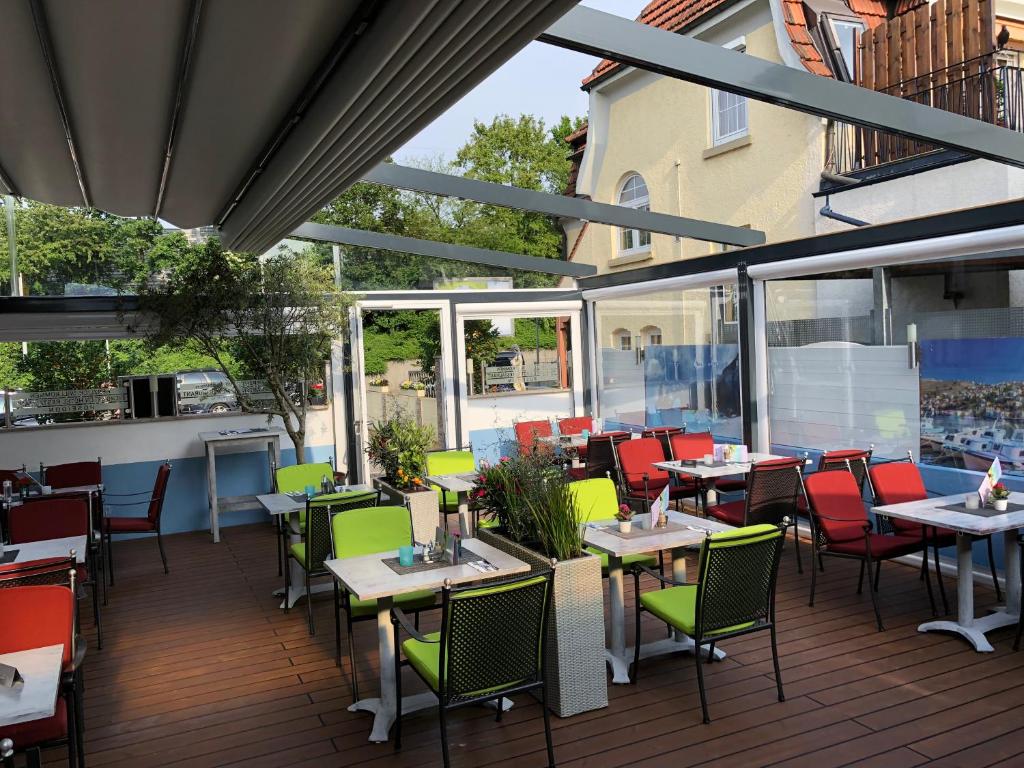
[575, 665]
[423, 506]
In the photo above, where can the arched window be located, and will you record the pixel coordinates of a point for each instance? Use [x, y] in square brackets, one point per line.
[651, 335]
[622, 339]
[633, 194]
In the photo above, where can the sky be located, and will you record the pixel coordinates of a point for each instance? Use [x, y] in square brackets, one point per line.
[541, 79]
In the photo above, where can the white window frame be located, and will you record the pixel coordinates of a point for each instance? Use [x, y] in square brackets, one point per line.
[717, 137]
[642, 203]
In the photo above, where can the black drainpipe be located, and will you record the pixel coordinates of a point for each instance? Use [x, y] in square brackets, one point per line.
[828, 213]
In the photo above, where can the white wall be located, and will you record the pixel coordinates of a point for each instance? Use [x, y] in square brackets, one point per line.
[129, 442]
[844, 396]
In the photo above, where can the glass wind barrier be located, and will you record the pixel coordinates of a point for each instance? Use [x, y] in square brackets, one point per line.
[670, 359]
[919, 360]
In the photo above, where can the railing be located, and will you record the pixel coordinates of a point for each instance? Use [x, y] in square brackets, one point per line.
[977, 88]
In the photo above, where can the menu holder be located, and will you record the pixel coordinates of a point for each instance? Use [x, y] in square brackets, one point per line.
[9, 676]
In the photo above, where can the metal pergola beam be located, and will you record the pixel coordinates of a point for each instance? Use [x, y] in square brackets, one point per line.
[332, 234]
[447, 185]
[685, 58]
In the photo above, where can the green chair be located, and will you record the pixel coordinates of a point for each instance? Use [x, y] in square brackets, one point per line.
[367, 532]
[491, 645]
[315, 547]
[449, 463]
[734, 595]
[597, 501]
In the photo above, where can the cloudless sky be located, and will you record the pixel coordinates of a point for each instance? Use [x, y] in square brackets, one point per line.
[541, 79]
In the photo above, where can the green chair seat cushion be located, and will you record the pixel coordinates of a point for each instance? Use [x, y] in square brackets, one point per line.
[298, 551]
[488, 522]
[677, 606]
[410, 602]
[651, 561]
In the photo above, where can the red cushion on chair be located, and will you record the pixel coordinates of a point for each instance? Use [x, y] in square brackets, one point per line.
[575, 425]
[636, 458]
[577, 473]
[36, 732]
[731, 513]
[74, 474]
[882, 546]
[48, 519]
[35, 617]
[837, 506]
[129, 524]
[692, 445]
[527, 432]
[898, 482]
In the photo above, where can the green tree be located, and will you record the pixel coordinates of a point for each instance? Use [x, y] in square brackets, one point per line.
[66, 365]
[280, 316]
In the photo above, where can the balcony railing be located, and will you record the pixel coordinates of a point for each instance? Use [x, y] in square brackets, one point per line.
[986, 90]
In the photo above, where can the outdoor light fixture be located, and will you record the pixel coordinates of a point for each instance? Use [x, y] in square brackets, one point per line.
[913, 352]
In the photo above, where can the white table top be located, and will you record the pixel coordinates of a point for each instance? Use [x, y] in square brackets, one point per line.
[730, 468]
[927, 511]
[574, 441]
[36, 698]
[697, 529]
[283, 504]
[368, 578]
[267, 433]
[40, 550]
[453, 483]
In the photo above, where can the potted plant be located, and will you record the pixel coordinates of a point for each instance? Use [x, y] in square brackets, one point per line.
[538, 524]
[421, 389]
[1000, 497]
[625, 518]
[398, 446]
[380, 383]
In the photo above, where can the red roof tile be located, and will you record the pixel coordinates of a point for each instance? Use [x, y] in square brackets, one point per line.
[673, 15]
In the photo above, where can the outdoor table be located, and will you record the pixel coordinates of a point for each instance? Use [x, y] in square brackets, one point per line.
[368, 578]
[268, 438]
[278, 504]
[683, 531]
[460, 484]
[968, 524]
[36, 698]
[47, 548]
[705, 473]
[571, 441]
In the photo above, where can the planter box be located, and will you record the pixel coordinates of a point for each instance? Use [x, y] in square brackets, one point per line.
[575, 664]
[423, 506]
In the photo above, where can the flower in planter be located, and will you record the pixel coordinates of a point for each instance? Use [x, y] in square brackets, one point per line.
[625, 513]
[1000, 492]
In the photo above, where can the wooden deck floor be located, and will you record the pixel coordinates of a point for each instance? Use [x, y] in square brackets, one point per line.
[201, 669]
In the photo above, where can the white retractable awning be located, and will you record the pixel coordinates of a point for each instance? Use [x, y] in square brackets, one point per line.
[247, 114]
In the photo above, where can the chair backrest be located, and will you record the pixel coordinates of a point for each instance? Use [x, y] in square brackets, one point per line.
[594, 499]
[601, 453]
[493, 637]
[859, 460]
[692, 445]
[367, 531]
[48, 518]
[38, 616]
[636, 458]
[664, 434]
[574, 425]
[527, 433]
[156, 502]
[773, 488]
[896, 482]
[737, 575]
[450, 462]
[73, 474]
[837, 511]
[320, 512]
[295, 478]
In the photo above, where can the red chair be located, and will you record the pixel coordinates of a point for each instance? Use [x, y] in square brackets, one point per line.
[897, 482]
[641, 480]
[574, 425]
[840, 528]
[39, 616]
[57, 518]
[694, 446]
[148, 524]
[527, 433]
[773, 488]
[72, 474]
